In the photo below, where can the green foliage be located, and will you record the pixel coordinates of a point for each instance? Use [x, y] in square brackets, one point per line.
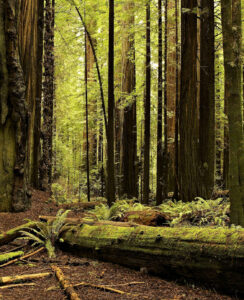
[58, 193]
[117, 210]
[198, 212]
[46, 234]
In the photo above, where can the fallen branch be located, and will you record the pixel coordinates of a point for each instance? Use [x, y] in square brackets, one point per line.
[65, 284]
[16, 285]
[22, 257]
[8, 256]
[22, 278]
[103, 288]
[15, 249]
[13, 233]
[124, 284]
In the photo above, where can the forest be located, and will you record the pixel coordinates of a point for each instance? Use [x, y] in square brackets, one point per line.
[121, 149]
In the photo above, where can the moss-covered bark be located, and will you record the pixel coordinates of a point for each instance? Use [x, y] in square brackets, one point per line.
[210, 256]
[13, 233]
[8, 256]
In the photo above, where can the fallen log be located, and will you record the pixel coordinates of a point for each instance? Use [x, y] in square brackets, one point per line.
[69, 290]
[214, 257]
[22, 278]
[8, 256]
[13, 233]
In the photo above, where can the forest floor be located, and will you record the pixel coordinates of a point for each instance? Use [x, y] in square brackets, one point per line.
[138, 284]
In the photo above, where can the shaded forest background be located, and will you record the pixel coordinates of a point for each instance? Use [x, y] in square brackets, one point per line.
[137, 99]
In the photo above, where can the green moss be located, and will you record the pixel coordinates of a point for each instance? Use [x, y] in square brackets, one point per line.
[182, 241]
[14, 233]
[11, 255]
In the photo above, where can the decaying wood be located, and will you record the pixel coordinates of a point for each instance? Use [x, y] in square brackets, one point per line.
[13, 233]
[22, 257]
[212, 256]
[103, 288]
[16, 285]
[8, 256]
[147, 217]
[22, 278]
[69, 290]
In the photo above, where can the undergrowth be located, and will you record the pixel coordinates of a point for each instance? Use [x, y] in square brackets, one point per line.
[46, 234]
[199, 212]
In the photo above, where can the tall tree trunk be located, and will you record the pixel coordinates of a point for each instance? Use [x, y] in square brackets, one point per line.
[110, 140]
[176, 161]
[92, 103]
[87, 124]
[19, 93]
[207, 101]
[48, 96]
[160, 111]
[129, 170]
[231, 23]
[37, 125]
[166, 127]
[147, 107]
[226, 18]
[188, 123]
[171, 90]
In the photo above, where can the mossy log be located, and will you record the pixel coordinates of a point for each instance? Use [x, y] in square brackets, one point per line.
[213, 257]
[8, 256]
[12, 234]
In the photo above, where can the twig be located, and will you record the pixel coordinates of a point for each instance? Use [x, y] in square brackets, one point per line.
[16, 285]
[15, 249]
[65, 283]
[123, 284]
[22, 257]
[103, 287]
[21, 278]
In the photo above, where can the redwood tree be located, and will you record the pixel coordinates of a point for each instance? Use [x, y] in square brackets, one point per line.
[207, 101]
[129, 180]
[19, 94]
[147, 104]
[110, 132]
[188, 120]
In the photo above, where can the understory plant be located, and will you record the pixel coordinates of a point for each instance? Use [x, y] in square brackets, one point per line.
[46, 234]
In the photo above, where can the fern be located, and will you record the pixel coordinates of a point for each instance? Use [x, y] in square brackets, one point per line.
[46, 234]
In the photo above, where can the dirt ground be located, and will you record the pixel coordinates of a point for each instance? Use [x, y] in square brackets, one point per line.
[137, 285]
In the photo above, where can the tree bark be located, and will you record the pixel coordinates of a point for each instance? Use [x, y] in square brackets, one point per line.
[188, 122]
[207, 101]
[129, 172]
[232, 34]
[159, 190]
[147, 107]
[19, 80]
[110, 140]
[48, 96]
